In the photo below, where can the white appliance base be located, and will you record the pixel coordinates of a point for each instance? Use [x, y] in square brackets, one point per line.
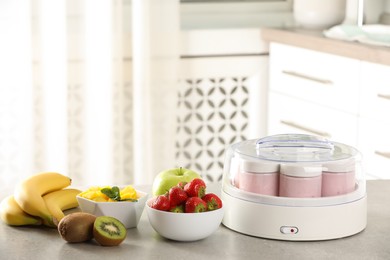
[294, 223]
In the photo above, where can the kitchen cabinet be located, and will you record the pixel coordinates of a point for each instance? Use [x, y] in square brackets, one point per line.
[291, 115]
[343, 99]
[322, 78]
[310, 92]
[374, 123]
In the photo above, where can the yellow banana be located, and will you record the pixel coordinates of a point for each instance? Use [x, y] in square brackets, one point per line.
[60, 200]
[13, 215]
[28, 193]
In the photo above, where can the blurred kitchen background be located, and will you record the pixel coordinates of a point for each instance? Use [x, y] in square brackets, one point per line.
[115, 91]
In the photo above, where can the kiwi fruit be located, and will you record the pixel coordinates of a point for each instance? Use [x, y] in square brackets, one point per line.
[109, 231]
[77, 227]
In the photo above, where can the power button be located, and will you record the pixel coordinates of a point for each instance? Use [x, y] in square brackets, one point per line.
[288, 230]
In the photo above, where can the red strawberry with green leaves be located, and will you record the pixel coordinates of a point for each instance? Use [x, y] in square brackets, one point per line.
[195, 205]
[176, 196]
[213, 201]
[178, 209]
[161, 202]
[195, 188]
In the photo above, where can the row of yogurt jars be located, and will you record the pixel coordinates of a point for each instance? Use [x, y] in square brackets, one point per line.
[296, 180]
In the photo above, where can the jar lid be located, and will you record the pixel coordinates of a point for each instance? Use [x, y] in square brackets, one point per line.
[300, 170]
[259, 167]
[346, 165]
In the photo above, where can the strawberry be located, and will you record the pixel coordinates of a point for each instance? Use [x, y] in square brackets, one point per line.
[161, 202]
[176, 196]
[195, 188]
[182, 184]
[213, 201]
[177, 209]
[195, 205]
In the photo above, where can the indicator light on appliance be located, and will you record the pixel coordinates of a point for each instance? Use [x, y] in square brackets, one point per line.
[288, 230]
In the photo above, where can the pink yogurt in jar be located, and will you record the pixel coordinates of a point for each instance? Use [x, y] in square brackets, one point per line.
[259, 177]
[300, 181]
[338, 178]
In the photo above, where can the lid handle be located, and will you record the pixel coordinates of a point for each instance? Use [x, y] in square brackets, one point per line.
[285, 141]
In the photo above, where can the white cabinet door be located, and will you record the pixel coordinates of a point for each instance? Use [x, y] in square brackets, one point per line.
[291, 115]
[322, 78]
[374, 143]
[374, 126]
[375, 97]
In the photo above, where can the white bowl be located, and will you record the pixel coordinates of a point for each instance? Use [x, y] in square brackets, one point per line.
[184, 226]
[129, 213]
[319, 14]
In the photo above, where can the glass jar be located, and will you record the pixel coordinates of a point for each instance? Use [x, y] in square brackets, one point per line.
[259, 177]
[300, 181]
[338, 178]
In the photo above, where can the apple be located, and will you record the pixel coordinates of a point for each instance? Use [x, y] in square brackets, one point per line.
[171, 177]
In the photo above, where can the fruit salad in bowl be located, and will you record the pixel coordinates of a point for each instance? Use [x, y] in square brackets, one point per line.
[186, 212]
[123, 203]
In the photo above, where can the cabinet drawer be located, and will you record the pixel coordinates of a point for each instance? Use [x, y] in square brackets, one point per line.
[322, 78]
[289, 115]
[374, 143]
[375, 99]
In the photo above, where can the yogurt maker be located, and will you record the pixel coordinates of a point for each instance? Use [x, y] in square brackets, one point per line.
[294, 187]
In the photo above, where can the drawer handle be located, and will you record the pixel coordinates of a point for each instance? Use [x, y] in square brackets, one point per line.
[383, 154]
[305, 128]
[384, 96]
[303, 76]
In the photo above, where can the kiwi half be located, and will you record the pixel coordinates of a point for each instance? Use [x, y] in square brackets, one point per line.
[109, 231]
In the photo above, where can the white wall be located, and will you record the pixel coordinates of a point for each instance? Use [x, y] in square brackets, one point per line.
[257, 14]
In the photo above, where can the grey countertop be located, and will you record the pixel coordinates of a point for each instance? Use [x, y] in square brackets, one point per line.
[144, 243]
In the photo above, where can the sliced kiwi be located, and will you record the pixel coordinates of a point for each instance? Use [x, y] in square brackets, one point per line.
[76, 227]
[109, 231]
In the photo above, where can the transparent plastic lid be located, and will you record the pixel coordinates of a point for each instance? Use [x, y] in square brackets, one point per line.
[295, 148]
[306, 171]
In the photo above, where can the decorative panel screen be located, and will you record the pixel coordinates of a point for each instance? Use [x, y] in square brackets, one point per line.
[221, 101]
[212, 114]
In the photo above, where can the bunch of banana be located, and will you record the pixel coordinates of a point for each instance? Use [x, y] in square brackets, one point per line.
[39, 199]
